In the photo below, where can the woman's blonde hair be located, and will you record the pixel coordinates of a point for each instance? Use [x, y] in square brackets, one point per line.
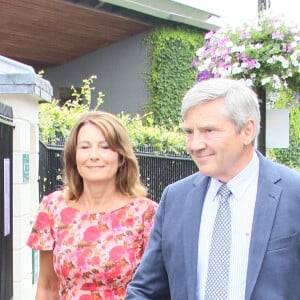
[128, 175]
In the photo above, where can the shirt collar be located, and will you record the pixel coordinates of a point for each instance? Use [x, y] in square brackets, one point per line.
[238, 184]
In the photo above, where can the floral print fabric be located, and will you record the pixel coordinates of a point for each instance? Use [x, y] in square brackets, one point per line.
[95, 254]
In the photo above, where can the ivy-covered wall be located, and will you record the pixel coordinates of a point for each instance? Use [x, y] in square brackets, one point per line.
[171, 51]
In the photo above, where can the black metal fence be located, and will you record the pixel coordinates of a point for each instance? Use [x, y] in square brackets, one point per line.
[157, 171]
[6, 205]
[50, 168]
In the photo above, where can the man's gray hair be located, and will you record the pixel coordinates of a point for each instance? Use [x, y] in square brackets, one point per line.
[241, 102]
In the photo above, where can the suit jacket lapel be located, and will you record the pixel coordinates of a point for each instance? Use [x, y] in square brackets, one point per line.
[265, 209]
[192, 217]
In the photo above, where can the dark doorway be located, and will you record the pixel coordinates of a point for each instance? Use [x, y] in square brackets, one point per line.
[6, 206]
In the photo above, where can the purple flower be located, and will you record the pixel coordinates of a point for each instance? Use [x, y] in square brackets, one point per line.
[223, 64]
[203, 76]
[245, 35]
[250, 63]
[286, 48]
[194, 62]
[209, 35]
[277, 35]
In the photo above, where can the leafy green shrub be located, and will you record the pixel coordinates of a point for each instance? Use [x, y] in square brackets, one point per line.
[56, 121]
[146, 135]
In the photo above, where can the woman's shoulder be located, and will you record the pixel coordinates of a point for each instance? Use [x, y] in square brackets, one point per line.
[144, 210]
[56, 195]
[144, 204]
[53, 199]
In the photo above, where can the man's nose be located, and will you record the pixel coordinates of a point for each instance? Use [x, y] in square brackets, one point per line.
[197, 142]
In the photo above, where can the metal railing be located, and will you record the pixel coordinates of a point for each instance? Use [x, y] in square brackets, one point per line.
[157, 170]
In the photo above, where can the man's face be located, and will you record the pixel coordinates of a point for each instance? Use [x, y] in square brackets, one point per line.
[213, 143]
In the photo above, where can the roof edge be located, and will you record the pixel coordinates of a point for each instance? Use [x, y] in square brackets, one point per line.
[18, 78]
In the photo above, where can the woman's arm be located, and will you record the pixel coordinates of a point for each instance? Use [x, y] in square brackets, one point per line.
[47, 286]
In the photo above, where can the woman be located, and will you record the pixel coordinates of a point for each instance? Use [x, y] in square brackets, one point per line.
[91, 235]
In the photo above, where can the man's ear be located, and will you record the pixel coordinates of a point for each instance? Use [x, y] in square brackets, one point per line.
[249, 132]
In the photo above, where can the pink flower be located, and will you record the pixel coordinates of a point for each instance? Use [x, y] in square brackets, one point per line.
[85, 297]
[42, 221]
[116, 253]
[91, 234]
[67, 215]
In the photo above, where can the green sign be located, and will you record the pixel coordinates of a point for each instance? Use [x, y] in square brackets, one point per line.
[25, 167]
[35, 265]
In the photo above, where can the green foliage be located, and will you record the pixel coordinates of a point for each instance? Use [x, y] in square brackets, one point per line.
[146, 135]
[56, 121]
[171, 52]
[290, 156]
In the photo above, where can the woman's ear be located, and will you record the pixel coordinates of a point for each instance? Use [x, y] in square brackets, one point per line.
[121, 161]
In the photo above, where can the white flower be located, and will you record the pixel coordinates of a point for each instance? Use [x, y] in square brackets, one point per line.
[238, 49]
[236, 69]
[257, 65]
[284, 62]
[258, 46]
[249, 82]
[228, 44]
[294, 58]
[265, 80]
[276, 82]
[226, 73]
[244, 65]
[294, 44]
[297, 38]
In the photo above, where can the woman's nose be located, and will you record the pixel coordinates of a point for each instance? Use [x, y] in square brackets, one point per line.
[94, 153]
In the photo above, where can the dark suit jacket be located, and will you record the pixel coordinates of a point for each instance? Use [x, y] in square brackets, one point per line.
[169, 265]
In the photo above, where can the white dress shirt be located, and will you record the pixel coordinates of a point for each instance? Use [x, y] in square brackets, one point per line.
[242, 202]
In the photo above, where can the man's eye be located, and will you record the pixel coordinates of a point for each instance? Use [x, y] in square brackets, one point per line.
[188, 132]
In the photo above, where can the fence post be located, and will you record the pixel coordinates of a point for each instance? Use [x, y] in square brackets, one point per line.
[23, 90]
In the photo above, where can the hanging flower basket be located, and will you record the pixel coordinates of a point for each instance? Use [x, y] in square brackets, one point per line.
[264, 53]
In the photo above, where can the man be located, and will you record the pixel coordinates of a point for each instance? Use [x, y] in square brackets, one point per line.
[258, 255]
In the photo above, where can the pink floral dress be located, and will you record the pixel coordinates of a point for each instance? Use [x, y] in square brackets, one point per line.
[95, 254]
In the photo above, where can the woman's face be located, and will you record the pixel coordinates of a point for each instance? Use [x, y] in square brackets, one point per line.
[96, 162]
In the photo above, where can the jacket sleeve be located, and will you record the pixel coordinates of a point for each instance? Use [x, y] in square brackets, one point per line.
[150, 280]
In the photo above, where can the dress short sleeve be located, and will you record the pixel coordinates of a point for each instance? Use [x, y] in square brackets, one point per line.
[41, 236]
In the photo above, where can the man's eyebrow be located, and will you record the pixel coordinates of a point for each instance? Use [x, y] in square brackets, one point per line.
[186, 128]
